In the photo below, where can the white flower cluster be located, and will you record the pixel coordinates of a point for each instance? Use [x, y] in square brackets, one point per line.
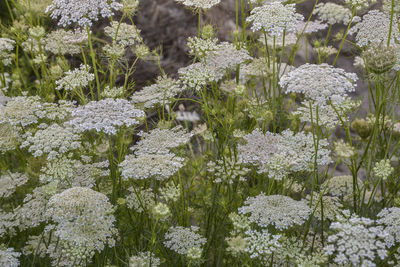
[180, 239]
[114, 92]
[143, 166]
[282, 153]
[71, 172]
[21, 110]
[9, 182]
[199, 47]
[198, 75]
[122, 33]
[159, 93]
[356, 241]
[312, 26]
[390, 219]
[227, 170]
[197, 4]
[9, 257]
[280, 211]
[65, 42]
[6, 46]
[144, 259]
[82, 12]
[261, 245]
[105, 115]
[8, 223]
[9, 138]
[327, 117]
[340, 186]
[170, 192]
[344, 150]
[275, 18]
[160, 141]
[383, 169]
[333, 13]
[226, 57]
[83, 218]
[74, 79]
[374, 29]
[140, 200]
[256, 68]
[320, 83]
[54, 140]
[331, 206]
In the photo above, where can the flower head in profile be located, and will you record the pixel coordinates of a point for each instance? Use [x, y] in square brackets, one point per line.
[275, 18]
[277, 210]
[83, 219]
[321, 83]
[106, 115]
[82, 12]
[182, 240]
[199, 4]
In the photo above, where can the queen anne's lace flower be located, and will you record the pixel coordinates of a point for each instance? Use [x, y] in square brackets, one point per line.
[21, 110]
[383, 169]
[198, 75]
[54, 140]
[70, 172]
[356, 241]
[328, 116]
[180, 239]
[158, 93]
[74, 79]
[82, 12]
[199, 47]
[144, 259]
[283, 153]
[204, 4]
[260, 245]
[160, 141]
[280, 211]
[8, 257]
[333, 13]
[275, 18]
[83, 220]
[226, 57]
[9, 182]
[106, 116]
[340, 186]
[140, 200]
[143, 166]
[390, 219]
[374, 28]
[124, 34]
[6, 46]
[320, 83]
[65, 42]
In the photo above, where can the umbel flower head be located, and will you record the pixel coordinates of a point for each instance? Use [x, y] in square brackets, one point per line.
[279, 211]
[374, 29]
[82, 12]
[356, 241]
[333, 13]
[181, 240]
[160, 141]
[197, 4]
[9, 257]
[321, 83]
[143, 166]
[6, 46]
[105, 115]
[275, 18]
[82, 218]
